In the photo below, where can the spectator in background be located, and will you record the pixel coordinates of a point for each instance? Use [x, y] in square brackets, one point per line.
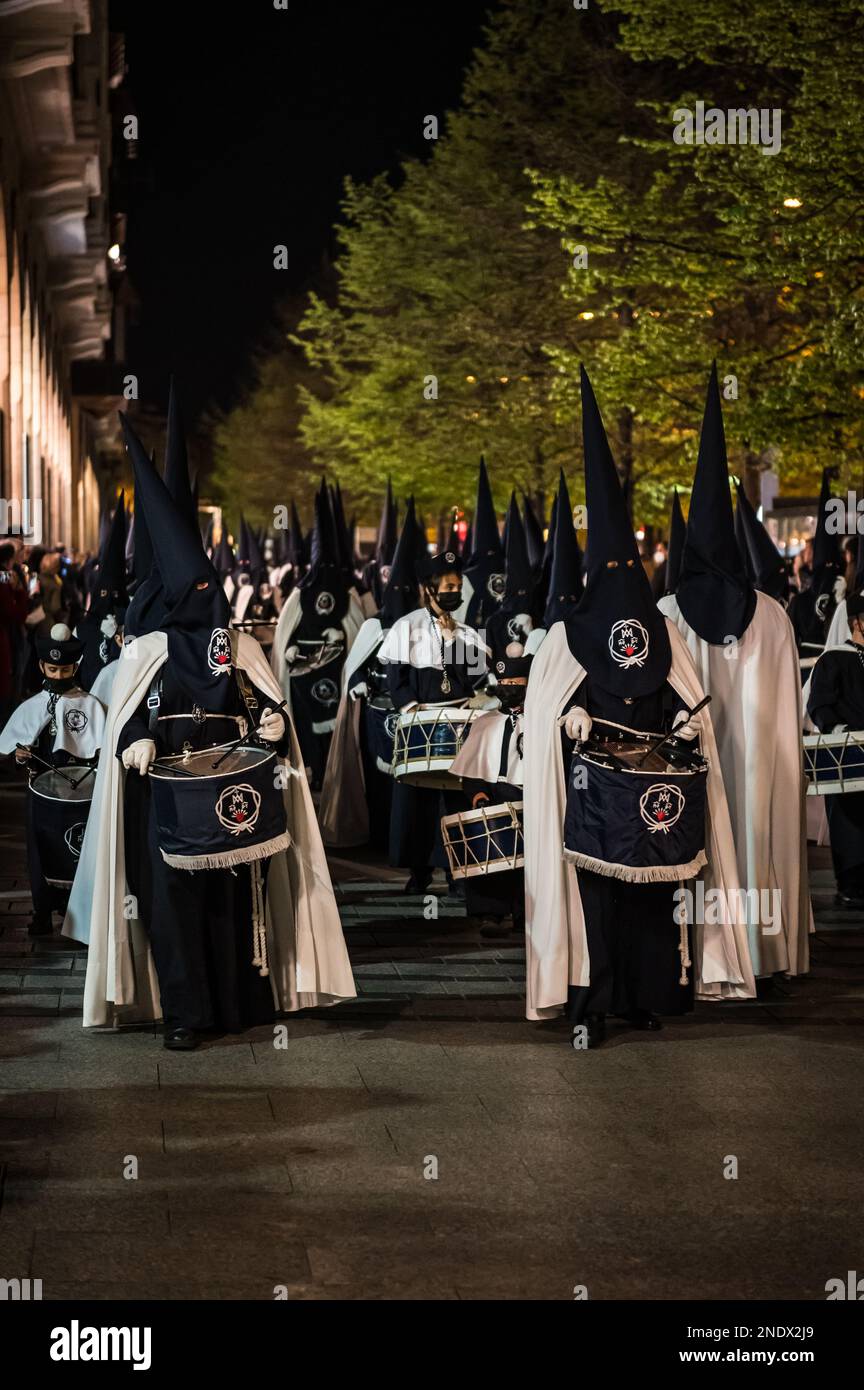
[802, 565]
[13, 611]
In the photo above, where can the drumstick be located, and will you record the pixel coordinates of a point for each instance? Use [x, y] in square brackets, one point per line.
[50, 766]
[666, 737]
[173, 767]
[251, 734]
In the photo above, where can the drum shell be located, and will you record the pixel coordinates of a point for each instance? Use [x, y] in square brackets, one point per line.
[643, 827]
[59, 818]
[220, 818]
[426, 742]
[484, 841]
[834, 763]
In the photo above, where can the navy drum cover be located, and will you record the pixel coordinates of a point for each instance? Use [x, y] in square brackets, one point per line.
[215, 817]
[60, 810]
[380, 720]
[487, 840]
[644, 827]
[426, 742]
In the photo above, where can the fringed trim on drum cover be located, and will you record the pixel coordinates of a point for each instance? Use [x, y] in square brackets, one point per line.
[229, 859]
[658, 873]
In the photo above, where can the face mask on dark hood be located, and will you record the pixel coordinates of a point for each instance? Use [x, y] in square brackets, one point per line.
[510, 696]
[449, 601]
[57, 687]
[199, 645]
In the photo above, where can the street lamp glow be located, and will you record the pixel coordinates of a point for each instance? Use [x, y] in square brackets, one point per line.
[114, 252]
[586, 315]
[792, 203]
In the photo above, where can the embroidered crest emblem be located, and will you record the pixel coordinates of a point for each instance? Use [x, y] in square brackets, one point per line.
[628, 643]
[238, 807]
[55, 653]
[450, 557]
[219, 651]
[495, 585]
[391, 723]
[74, 838]
[384, 574]
[821, 606]
[661, 806]
[75, 721]
[325, 603]
[499, 667]
[325, 692]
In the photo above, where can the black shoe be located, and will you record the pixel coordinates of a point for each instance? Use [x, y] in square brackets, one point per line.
[494, 928]
[850, 901]
[40, 926]
[594, 1032]
[417, 885]
[644, 1020]
[181, 1039]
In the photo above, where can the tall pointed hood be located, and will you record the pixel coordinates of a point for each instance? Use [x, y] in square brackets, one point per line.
[485, 567]
[616, 631]
[533, 533]
[177, 479]
[714, 595]
[766, 565]
[223, 556]
[197, 612]
[677, 531]
[388, 530]
[827, 551]
[519, 585]
[323, 589]
[297, 547]
[401, 591]
[108, 594]
[565, 571]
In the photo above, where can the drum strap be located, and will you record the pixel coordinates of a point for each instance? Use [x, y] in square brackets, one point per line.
[154, 700]
[247, 695]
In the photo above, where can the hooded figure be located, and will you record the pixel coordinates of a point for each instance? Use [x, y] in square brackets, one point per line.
[665, 578]
[230, 945]
[533, 534]
[509, 626]
[766, 566]
[357, 786]
[103, 621]
[376, 572]
[750, 670]
[254, 607]
[839, 631]
[484, 572]
[599, 940]
[316, 629]
[812, 610]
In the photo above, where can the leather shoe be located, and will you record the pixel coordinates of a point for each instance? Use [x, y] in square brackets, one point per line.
[595, 1032]
[181, 1040]
[647, 1022]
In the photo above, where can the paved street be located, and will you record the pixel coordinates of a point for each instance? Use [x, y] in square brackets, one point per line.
[427, 1141]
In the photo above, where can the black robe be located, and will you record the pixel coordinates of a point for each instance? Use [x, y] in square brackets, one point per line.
[47, 897]
[99, 650]
[501, 894]
[837, 697]
[315, 699]
[378, 785]
[199, 924]
[633, 937]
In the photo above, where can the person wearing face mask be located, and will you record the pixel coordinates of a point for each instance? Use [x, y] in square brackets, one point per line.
[490, 765]
[205, 946]
[60, 725]
[431, 658]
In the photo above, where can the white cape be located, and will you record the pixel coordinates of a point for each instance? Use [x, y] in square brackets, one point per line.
[556, 942]
[480, 754]
[308, 959]
[755, 690]
[79, 717]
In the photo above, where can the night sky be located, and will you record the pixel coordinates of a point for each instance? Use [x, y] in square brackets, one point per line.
[250, 118]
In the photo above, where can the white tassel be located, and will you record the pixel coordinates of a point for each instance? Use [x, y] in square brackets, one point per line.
[658, 873]
[259, 924]
[227, 859]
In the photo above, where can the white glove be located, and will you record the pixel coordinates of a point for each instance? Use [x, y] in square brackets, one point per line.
[840, 729]
[140, 755]
[359, 690]
[684, 727]
[578, 724]
[291, 655]
[272, 726]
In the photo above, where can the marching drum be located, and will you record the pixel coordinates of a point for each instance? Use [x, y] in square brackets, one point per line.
[635, 814]
[211, 817]
[834, 762]
[264, 631]
[485, 841]
[427, 740]
[63, 808]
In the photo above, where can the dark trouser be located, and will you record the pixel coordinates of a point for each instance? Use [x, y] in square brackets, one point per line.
[502, 893]
[845, 812]
[201, 936]
[633, 949]
[415, 826]
[47, 898]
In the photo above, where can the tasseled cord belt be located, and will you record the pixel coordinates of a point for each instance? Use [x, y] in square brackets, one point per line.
[259, 920]
[683, 943]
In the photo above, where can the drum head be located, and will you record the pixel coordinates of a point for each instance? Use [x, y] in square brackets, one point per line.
[201, 763]
[55, 787]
